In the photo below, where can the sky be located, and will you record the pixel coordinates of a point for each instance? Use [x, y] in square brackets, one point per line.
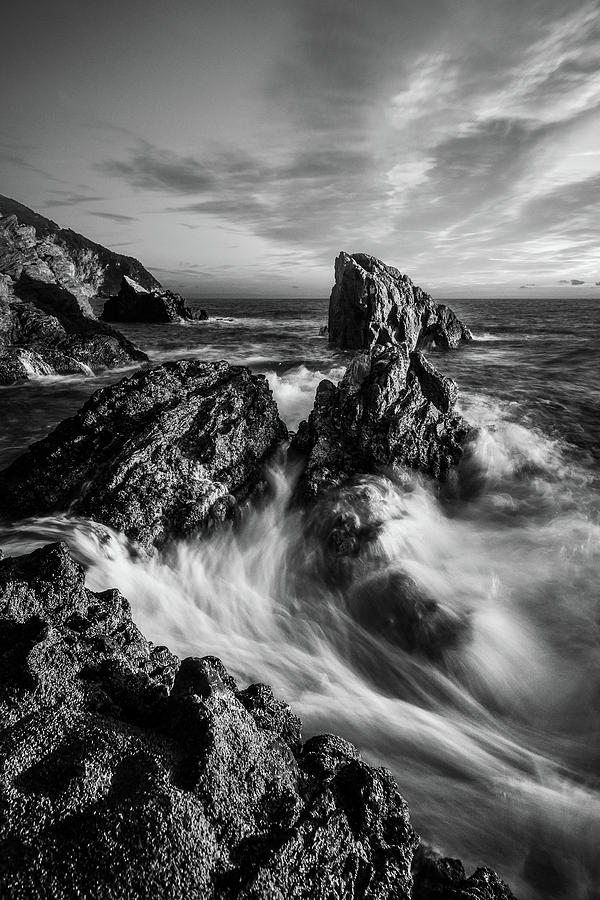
[236, 147]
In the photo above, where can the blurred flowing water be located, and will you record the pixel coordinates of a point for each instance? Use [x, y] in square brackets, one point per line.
[497, 749]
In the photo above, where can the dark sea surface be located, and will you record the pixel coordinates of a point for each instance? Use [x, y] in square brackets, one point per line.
[497, 752]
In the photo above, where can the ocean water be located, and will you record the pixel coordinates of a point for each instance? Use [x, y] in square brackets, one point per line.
[497, 746]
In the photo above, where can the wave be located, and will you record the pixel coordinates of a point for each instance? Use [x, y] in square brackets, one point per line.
[494, 741]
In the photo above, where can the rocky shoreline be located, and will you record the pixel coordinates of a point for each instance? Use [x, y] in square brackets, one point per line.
[127, 772]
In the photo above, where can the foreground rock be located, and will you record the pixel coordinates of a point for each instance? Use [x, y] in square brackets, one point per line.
[372, 303]
[392, 410]
[136, 304]
[164, 452]
[47, 277]
[127, 773]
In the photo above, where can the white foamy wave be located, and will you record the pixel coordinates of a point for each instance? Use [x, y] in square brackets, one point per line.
[482, 746]
[487, 337]
[294, 391]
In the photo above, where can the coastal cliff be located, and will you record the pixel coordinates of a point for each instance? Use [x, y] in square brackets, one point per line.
[47, 277]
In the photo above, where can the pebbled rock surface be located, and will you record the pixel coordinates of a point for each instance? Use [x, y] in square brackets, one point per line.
[372, 303]
[164, 452]
[391, 410]
[136, 304]
[47, 326]
[125, 772]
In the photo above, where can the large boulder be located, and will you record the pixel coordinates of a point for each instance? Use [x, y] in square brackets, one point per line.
[372, 303]
[136, 304]
[392, 410]
[126, 772]
[164, 452]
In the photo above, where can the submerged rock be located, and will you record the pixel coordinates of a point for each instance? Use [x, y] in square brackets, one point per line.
[136, 304]
[345, 543]
[164, 452]
[391, 410]
[372, 303]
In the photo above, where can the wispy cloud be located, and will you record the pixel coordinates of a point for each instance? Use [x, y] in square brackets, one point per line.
[117, 218]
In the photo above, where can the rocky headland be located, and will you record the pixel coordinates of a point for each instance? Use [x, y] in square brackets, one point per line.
[135, 303]
[47, 277]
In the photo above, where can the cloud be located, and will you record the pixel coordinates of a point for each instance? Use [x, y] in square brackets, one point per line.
[69, 198]
[117, 218]
[153, 169]
[457, 140]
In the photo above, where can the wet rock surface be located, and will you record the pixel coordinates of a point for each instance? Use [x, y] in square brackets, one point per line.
[134, 303]
[129, 773]
[162, 453]
[47, 277]
[373, 303]
[392, 410]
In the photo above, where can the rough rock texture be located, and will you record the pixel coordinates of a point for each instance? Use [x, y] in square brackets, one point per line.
[50, 253]
[135, 304]
[164, 452]
[442, 878]
[392, 409]
[127, 773]
[372, 303]
[47, 326]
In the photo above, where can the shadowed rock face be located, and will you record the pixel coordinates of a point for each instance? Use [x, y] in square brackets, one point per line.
[164, 452]
[44, 332]
[129, 773]
[372, 303]
[135, 304]
[47, 326]
[392, 409]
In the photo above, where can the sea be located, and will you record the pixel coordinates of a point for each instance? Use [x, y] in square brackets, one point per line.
[497, 750]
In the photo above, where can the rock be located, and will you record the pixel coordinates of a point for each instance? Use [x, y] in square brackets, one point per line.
[391, 603]
[29, 242]
[372, 303]
[47, 277]
[43, 331]
[136, 304]
[127, 773]
[391, 410]
[164, 452]
[344, 547]
[441, 878]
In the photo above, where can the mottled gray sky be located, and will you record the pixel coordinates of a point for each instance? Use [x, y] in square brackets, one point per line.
[236, 147]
